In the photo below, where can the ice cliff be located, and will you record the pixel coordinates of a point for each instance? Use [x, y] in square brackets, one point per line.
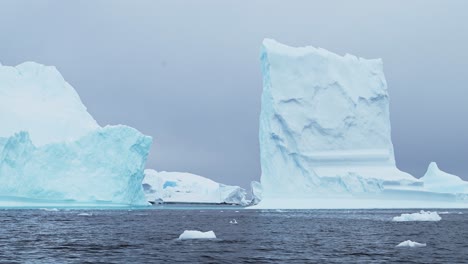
[53, 151]
[325, 136]
[181, 187]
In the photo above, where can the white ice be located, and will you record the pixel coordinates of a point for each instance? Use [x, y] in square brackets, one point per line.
[325, 135]
[181, 187]
[195, 234]
[256, 192]
[436, 180]
[421, 216]
[409, 243]
[52, 151]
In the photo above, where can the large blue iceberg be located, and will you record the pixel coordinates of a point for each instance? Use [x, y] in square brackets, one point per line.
[52, 152]
[325, 136]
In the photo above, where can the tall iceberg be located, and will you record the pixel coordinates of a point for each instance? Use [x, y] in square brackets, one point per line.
[53, 152]
[325, 137]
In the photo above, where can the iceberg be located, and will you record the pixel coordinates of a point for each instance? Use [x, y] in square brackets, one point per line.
[421, 216]
[181, 187]
[436, 180]
[52, 152]
[409, 243]
[195, 234]
[325, 135]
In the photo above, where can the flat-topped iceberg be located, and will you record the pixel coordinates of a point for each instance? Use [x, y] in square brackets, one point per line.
[52, 152]
[325, 135]
[181, 187]
[195, 234]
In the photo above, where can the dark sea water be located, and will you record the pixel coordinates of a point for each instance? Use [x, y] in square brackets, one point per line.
[296, 236]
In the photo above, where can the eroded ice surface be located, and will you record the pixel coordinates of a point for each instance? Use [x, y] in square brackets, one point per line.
[324, 123]
[52, 151]
[106, 165]
[181, 187]
[325, 135]
[256, 189]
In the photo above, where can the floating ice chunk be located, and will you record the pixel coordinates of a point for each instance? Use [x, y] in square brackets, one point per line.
[409, 243]
[233, 221]
[50, 209]
[421, 216]
[85, 214]
[195, 234]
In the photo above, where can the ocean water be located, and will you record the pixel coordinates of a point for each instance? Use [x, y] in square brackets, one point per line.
[261, 236]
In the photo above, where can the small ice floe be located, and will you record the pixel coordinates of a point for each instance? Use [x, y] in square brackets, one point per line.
[446, 212]
[409, 243]
[233, 221]
[421, 216]
[50, 209]
[195, 234]
[280, 211]
[236, 211]
[85, 214]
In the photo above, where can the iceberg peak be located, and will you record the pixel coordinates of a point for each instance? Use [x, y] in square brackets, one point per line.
[54, 111]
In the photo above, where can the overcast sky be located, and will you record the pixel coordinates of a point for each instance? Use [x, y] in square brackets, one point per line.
[188, 72]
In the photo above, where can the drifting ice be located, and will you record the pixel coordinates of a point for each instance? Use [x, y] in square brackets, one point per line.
[325, 138]
[421, 216]
[53, 152]
[194, 234]
[409, 243]
[180, 187]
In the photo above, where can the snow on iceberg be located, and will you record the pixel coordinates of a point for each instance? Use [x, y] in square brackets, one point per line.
[35, 98]
[325, 135]
[180, 187]
[436, 180]
[53, 152]
[195, 234]
[421, 216]
[409, 243]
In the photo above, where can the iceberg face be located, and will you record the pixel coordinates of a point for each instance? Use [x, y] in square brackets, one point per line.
[324, 124]
[52, 151]
[436, 180]
[180, 187]
[36, 98]
[256, 188]
[106, 165]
